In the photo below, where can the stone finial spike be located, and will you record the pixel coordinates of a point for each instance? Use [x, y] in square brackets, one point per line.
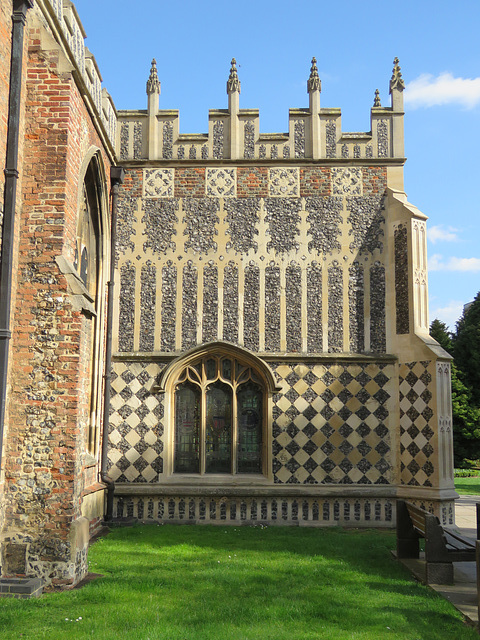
[233, 83]
[376, 102]
[153, 83]
[396, 81]
[314, 83]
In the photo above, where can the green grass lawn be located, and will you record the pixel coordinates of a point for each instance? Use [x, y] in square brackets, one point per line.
[249, 583]
[468, 486]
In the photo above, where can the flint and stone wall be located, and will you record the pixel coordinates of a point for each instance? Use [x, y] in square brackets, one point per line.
[51, 469]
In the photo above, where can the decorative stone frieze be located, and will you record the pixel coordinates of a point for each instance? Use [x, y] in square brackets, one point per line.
[158, 183]
[347, 181]
[221, 183]
[284, 182]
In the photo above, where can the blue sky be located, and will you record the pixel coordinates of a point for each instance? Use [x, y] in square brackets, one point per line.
[354, 42]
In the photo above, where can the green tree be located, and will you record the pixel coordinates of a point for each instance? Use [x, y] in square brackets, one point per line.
[465, 414]
[466, 347]
[466, 421]
[442, 335]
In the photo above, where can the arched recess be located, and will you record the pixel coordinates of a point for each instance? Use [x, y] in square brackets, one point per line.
[218, 413]
[90, 263]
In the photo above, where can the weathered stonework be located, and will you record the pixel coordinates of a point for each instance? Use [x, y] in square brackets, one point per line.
[148, 279]
[282, 216]
[160, 220]
[242, 217]
[210, 303]
[335, 308]
[251, 306]
[200, 218]
[249, 140]
[189, 306]
[230, 302]
[401, 281]
[377, 308]
[124, 138]
[300, 139]
[127, 307]
[331, 138]
[167, 141]
[272, 308]
[218, 139]
[137, 140]
[356, 304]
[324, 219]
[314, 308]
[293, 297]
[127, 208]
[169, 299]
[382, 138]
[366, 218]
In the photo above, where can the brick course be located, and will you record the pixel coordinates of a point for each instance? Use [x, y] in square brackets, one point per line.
[315, 181]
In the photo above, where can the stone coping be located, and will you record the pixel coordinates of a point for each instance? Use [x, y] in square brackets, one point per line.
[21, 587]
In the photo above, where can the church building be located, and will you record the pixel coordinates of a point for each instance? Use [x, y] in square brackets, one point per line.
[220, 328]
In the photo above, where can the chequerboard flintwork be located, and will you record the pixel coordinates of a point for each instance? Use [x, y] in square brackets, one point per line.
[300, 250]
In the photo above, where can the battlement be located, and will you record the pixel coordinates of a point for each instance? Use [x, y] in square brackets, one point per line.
[65, 23]
[314, 133]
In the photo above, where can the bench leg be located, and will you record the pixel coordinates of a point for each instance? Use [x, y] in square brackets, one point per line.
[408, 547]
[439, 573]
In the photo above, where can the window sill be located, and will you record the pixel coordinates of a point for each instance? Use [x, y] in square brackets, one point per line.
[217, 479]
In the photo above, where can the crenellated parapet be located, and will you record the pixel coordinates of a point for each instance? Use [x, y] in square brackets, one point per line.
[314, 133]
[65, 23]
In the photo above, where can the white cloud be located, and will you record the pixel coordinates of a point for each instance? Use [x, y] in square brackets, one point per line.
[439, 233]
[449, 314]
[430, 91]
[437, 263]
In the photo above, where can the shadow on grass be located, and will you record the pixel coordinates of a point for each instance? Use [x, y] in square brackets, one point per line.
[244, 583]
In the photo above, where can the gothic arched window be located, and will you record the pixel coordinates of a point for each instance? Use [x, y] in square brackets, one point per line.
[219, 417]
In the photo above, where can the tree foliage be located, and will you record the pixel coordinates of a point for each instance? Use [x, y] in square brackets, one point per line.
[464, 345]
[467, 348]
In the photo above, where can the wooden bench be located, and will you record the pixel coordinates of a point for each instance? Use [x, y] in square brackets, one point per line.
[443, 546]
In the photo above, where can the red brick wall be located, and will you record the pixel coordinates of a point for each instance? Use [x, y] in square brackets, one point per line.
[252, 182]
[51, 343]
[190, 183]
[315, 181]
[374, 180]
[5, 52]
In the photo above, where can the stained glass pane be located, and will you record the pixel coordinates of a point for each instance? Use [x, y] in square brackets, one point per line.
[227, 369]
[249, 412]
[187, 429]
[218, 446]
[211, 369]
